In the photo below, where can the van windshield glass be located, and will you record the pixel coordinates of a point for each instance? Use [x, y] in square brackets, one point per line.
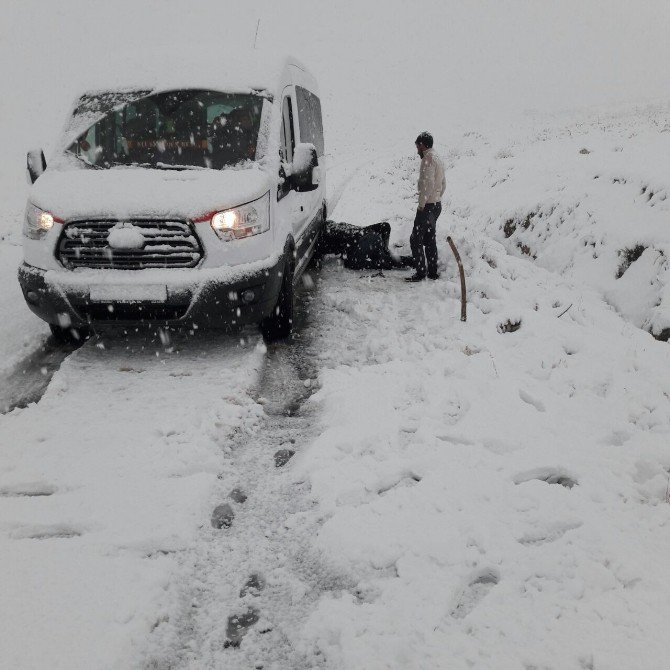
[174, 130]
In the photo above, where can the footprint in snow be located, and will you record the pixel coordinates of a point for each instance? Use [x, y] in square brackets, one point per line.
[222, 516]
[238, 625]
[549, 534]
[475, 591]
[405, 479]
[548, 475]
[238, 495]
[27, 490]
[534, 402]
[253, 586]
[283, 456]
[45, 532]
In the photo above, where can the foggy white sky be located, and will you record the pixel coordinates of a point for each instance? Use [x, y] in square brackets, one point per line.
[384, 65]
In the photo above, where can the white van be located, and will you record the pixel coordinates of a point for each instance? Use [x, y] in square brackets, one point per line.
[193, 203]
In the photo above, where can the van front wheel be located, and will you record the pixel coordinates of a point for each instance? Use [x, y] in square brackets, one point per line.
[279, 324]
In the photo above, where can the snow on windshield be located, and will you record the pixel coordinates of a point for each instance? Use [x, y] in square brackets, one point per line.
[173, 129]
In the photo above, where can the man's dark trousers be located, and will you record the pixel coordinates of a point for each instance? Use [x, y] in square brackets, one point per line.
[423, 238]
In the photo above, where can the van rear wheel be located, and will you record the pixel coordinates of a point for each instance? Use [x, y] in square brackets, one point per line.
[69, 335]
[279, 324]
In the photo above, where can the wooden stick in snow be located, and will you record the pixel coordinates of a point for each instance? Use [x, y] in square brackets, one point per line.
[462, 274]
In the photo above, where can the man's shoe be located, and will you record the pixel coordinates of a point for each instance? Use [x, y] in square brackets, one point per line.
[414, 278]
[435, 276]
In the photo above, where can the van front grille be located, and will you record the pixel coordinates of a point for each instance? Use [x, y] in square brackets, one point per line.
[167, 244]
[132, 312]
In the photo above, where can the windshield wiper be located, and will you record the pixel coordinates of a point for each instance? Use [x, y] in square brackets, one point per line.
[171, 166]
[85, 162]
[162, 166]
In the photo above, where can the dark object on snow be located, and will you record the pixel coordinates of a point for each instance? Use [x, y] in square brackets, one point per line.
[564, 311]
[509, 326]
[222, 516]
[238, 495]
[461, 272]
[418, 277]
[253, 586]
[362, 248]
[238, 625]
[283, 456]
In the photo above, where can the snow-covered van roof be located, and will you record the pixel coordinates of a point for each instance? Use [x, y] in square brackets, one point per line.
[238, 71]
[132, 76]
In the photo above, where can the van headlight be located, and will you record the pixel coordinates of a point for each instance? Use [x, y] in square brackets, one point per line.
[37, 223]
[243, 221]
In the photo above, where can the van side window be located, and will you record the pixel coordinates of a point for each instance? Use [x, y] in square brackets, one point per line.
[288, 138]
[287, 143]
[309, 114]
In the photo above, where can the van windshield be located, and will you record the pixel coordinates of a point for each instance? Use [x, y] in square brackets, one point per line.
[171, 130]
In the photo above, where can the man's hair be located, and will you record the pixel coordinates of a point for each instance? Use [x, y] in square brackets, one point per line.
[426, 139]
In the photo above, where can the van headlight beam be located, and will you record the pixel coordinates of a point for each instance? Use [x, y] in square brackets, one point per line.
[246, 220]
[37, 223]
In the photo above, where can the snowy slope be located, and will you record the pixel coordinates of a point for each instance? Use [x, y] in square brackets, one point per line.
[498, 498]
[586, 199]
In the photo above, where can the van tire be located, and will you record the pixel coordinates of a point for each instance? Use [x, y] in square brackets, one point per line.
[279, 324]
[70, 335]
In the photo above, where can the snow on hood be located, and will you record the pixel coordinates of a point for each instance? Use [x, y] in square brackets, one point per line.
[130, 191]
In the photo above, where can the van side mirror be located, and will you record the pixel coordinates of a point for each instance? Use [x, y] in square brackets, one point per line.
[305, 172]
[36, 164]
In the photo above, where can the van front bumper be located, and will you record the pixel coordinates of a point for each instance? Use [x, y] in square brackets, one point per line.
[217, 297]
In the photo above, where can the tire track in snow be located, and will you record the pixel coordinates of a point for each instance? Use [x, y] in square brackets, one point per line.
[247, 584]
[101, 484]
[27, 381]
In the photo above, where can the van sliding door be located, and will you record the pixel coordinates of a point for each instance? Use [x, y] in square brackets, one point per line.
[292, 207]
[310, 127]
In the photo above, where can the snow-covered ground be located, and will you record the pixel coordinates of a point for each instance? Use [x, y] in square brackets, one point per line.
[102, 482]
[496, 490]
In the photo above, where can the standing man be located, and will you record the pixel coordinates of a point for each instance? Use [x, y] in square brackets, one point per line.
[431, 188]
